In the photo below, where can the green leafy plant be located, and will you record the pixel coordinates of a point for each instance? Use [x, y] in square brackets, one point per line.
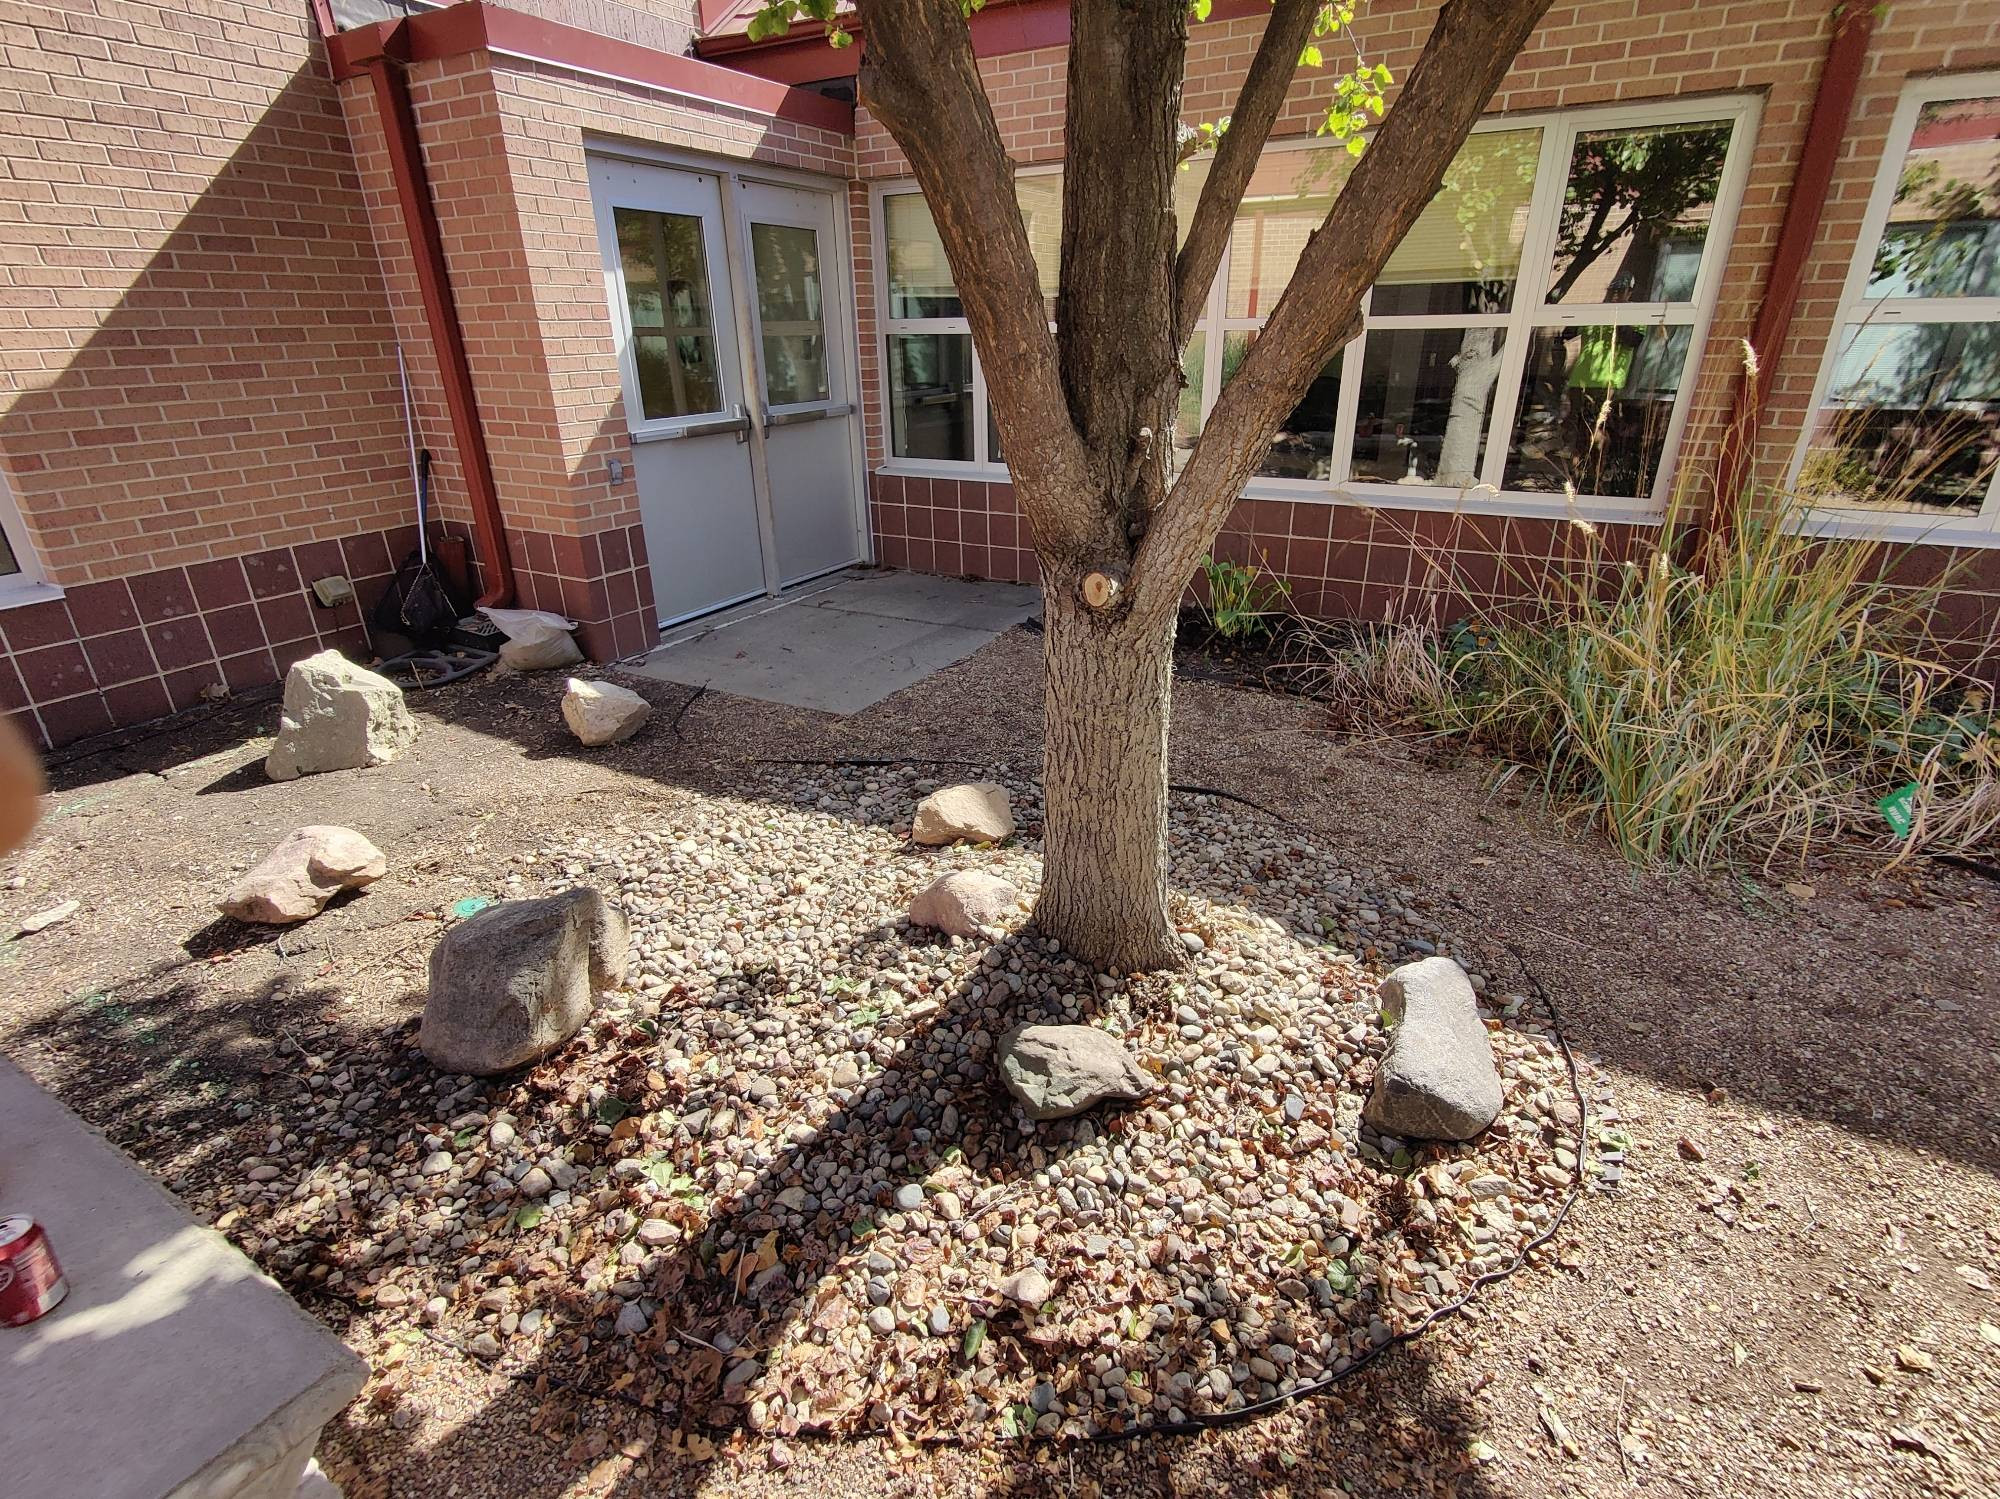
[1242, 600]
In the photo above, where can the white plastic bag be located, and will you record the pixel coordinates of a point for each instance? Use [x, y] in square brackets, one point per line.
[536, 639]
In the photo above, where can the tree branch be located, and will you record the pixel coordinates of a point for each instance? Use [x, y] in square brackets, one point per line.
[1470, 49]
[918, 77]
[1258, 103]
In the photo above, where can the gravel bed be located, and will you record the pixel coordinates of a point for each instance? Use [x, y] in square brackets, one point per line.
[775, 1184]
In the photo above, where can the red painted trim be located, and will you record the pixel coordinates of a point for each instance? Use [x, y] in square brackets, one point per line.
[1853, 25]
[413, 196]
[802, 55]
[474, 26]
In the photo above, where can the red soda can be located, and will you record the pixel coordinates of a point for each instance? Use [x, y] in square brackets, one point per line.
[31, 1282]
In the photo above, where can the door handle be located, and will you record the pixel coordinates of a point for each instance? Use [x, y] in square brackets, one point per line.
[739, 424]
[800, 418]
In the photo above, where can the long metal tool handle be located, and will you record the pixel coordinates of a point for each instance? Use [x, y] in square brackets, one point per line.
[417, 476]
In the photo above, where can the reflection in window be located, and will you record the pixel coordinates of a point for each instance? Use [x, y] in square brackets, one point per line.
[1595, 406]
[930, 396]
[1302, 447]
[920, 283]
[1943, 234]
[1187, 418]
[1286, 199]
[665, 270]
[1040, 197]
[1425, 396]
[1464, 252]
[1911, 419]
[1636, 212]
[789, 313]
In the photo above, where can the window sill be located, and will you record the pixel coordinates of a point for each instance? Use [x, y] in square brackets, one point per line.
[1516, 503]
[1898, 530]
[18, 593]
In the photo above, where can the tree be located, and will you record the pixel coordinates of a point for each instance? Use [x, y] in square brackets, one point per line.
[1085, 413]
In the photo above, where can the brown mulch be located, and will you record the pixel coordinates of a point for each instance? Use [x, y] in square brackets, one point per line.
[1789, 1293]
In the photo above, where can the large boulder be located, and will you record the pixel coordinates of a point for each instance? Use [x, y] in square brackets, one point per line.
[603, 712]
[1060, 1070]
[510, 985]
[337, 716]
[963, 902]
[295, 880]
[977, 813]
[1437, 1080]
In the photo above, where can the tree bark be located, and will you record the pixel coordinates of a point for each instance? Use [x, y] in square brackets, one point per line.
[1108, 691]
[1086, 418]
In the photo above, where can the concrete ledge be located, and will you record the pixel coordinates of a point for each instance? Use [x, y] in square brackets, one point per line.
[175, 1369]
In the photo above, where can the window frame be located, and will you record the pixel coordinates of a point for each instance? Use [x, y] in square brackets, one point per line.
[1529, 311]
[28, 583]
[1857, 309]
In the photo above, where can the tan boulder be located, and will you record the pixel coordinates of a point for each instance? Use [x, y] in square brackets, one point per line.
[295, 880]
[977, 813]
[963, 902]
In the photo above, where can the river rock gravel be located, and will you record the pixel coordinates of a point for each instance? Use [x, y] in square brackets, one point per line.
[775, 1182]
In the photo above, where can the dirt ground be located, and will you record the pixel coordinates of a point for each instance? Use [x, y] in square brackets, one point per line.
[1790, 1291]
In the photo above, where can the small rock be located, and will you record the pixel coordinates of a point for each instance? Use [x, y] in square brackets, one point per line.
[295, 880]
[534, 1182]
[391, 1295]
[977, 813]
[41, 921]
[337, 716]
[1438, 1080]
[1060, 1070]
[632, 1320]
[603, 712]
[881, 1320]
[963, 901]
[657, 1231]
[1030, 1288]
[909, 1197]
[513, 983]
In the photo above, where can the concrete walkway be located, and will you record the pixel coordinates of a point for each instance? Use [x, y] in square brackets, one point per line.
[842, 642]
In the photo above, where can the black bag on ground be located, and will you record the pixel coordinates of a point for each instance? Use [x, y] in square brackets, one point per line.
[418, 604]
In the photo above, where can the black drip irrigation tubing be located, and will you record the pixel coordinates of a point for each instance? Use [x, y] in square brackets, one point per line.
[1221, 1420]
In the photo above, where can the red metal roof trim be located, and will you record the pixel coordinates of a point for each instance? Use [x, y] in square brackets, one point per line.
[474, 26]
[1001, 28]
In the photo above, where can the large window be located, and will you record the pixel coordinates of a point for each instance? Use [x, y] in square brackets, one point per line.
[1905, 433]
[1533, 335]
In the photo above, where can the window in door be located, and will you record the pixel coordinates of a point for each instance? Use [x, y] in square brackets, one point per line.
[790, 313]
[665, 271]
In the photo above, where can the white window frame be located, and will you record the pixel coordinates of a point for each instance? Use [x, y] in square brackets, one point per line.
[1530, 310]
[1858, 309]
[29, 584]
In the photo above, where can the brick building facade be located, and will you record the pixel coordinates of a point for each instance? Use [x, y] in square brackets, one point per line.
[210, 257]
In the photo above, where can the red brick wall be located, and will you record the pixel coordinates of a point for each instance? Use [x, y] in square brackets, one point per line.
[199, 362]
[199, 410]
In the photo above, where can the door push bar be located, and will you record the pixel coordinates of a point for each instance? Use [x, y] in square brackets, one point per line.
[799, 418]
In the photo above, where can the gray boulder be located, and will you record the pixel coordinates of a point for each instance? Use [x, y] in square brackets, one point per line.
[1060, 1070]
[513, 983]
[980, 812]
[295, 880]
[338, 716]
[964, 901]
[1438, 1080]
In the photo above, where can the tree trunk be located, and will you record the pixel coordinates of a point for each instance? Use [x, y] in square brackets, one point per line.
[1108, 689]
